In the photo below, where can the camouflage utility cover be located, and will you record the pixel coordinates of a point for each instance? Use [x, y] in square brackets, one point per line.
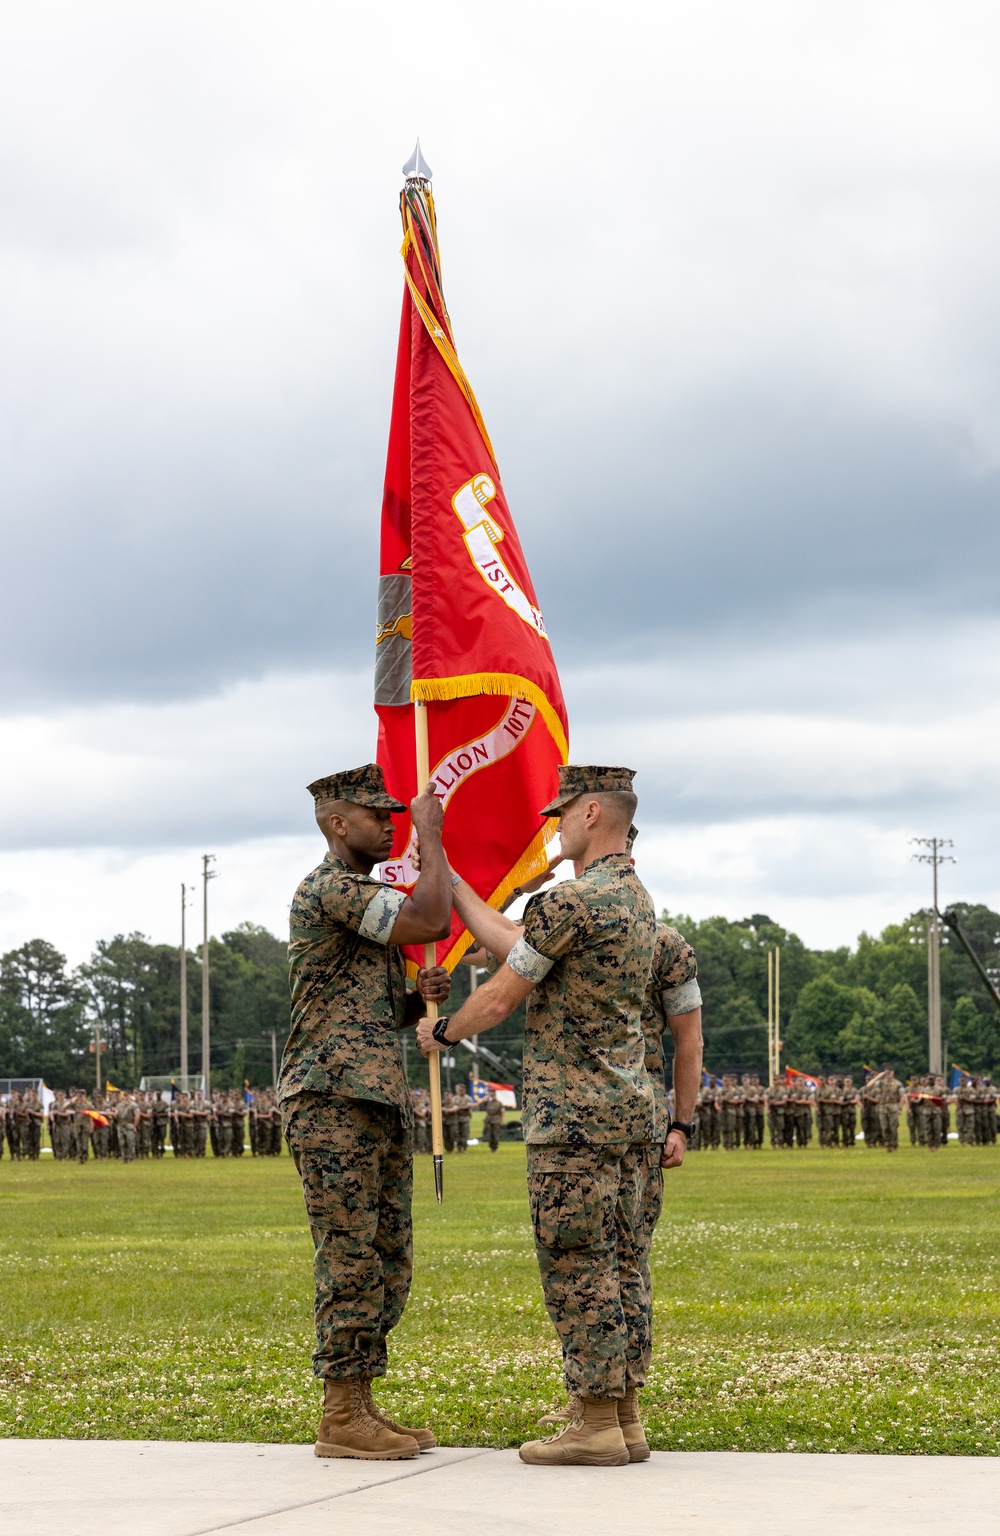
[672, 989]
[587, 945]
[348, 990]
[579, 779]
[362, 786]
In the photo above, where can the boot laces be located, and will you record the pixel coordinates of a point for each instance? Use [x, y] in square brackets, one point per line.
[360, 1414]
[576, 1422]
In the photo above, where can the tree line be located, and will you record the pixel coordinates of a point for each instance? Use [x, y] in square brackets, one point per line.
[840, 1009]
[845, 1008]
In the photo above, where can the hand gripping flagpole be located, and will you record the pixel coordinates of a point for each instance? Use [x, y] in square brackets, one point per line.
[430, 958]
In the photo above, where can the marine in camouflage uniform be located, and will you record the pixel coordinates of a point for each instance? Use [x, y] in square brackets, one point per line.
[462, 1105]
[449, 1121]
[344, 1097]
[848, 1113]
[732, 1112]
[161, 1116]
[870, 1127]
[891, 1096]
[33, 1118]
[965, 1112]
[581, 963]
[987, 1104]
[493, 1120]
[777, 1099]
[828, 1105]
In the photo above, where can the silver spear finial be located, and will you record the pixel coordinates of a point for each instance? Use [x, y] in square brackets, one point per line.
[416, 168]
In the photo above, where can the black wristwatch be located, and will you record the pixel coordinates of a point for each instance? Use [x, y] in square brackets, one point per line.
[438, 1032]
[687, 1126]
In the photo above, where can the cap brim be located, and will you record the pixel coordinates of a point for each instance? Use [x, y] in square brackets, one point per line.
[555, 807]
[375, 802]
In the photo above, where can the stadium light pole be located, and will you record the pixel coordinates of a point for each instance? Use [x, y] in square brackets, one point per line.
[206, 875]
[935, 858]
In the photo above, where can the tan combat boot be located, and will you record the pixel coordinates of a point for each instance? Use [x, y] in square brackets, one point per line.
[631, 1426]
[348, 1429]
[592, 1439]
[424, 1437]
[557, 1417]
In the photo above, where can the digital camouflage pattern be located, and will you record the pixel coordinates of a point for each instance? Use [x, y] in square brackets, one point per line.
[348, 990]
[355, 1161]
[360, 786]
[588, 945]
[668, 992]
[586, 1211]
[579, 779]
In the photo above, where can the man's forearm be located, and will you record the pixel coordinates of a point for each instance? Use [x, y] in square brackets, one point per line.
[430, 898]
[489, 1005]
[487, 926]
[686, 1030]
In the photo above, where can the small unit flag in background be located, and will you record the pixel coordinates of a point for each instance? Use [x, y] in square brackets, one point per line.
[479, 1092]
[459, 625]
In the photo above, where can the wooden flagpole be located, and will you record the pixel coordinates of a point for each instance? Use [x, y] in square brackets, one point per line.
[430, 958]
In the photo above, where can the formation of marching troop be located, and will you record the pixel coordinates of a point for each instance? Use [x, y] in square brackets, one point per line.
[732, 1112]
[141, 1125]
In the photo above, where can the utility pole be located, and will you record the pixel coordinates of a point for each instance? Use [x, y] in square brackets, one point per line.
[206, 1043]
[97, 1051]
[274, 1056]
[934, 858]
[184, 990]
[773, 1015]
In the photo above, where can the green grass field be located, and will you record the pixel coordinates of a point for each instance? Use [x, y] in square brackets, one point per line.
[821, 1301]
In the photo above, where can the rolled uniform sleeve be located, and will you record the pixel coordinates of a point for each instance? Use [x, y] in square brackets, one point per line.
[528, 963]
[675, 971]
[683, 999]
[364, 905]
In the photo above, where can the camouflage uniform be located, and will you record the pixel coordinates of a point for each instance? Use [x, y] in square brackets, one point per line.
[449, 1121]
[32, 1134]
[709, 1119]
[463, 1114]
[777, 1097]
[732, 1112]
[161, 1114]
[237, 1136]
[126, 1120]
[889, 1089]
[347, 1115]
[588, 1117]
[965, 1112]
[848, 1113]
[493, 1121]
[988, 1103]
[83, 1128]
[828, 1105]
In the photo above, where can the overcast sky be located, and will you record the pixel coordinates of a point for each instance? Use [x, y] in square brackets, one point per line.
[724, 279]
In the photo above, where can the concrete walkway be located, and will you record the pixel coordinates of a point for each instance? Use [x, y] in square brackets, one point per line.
[170, 1488]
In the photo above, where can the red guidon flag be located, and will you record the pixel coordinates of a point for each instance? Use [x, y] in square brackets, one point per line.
[459, 625]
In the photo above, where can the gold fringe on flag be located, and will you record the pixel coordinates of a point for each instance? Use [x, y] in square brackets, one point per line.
[507, 684]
